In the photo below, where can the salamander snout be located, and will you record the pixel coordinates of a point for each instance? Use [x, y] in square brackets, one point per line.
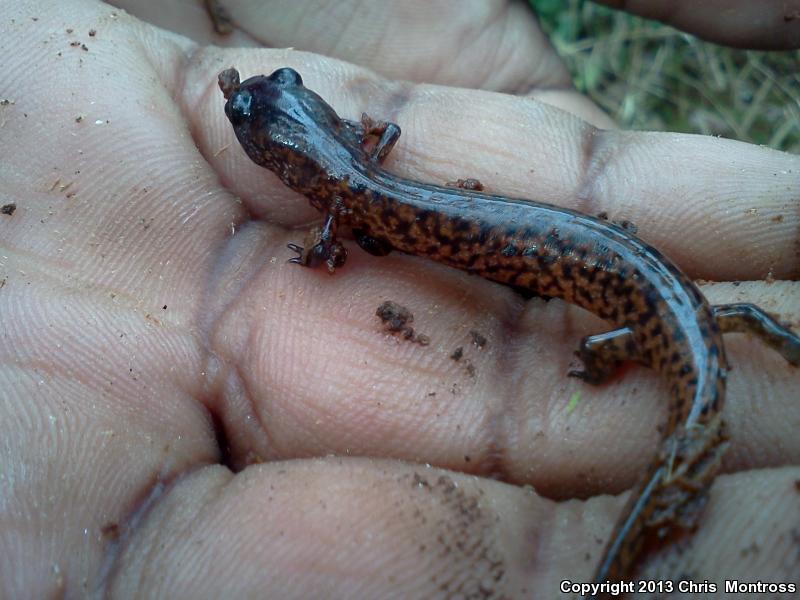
[238, 108]
[258, 95]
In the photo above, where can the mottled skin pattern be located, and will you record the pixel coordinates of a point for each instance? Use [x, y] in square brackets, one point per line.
[661, 318]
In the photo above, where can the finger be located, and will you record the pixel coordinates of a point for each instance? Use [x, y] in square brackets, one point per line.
[336, 528]
[190, 19]
[496, 46]
[769, 25]
[721, 209]
[357, 528]
[474, 44]
[468, 43]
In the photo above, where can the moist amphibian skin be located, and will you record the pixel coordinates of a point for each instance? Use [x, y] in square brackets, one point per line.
[659, 316]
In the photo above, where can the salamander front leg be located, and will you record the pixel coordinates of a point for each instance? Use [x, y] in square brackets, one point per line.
[603, 353]
[749, 318]
[321, 245]
[377, 138]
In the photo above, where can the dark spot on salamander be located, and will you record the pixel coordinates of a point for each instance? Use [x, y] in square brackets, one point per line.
[509, 250]
[590, 274]
[622, 289]
[484, 234]
[557, 284]
[402, 227]
[473, 258]
[423, 216]
[585, 294]
[548, 259]
[678, 336]
[372, 245]
[357, 189]
[527, 293]
[652, 296]
[645, 316]
[461, 225]
[628, 307]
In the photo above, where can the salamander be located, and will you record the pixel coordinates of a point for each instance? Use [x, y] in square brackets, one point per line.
[659, 316]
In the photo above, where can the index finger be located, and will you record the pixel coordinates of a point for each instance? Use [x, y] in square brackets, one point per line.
[721, 209]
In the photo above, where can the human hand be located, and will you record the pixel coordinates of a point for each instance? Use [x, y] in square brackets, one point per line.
[174, 390]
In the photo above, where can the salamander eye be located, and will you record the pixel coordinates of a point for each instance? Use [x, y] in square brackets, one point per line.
[286, 76]
[238, 107]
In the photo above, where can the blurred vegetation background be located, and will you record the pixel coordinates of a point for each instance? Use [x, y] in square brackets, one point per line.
[650, 76]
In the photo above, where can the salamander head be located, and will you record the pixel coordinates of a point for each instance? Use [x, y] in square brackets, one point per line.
[281, 124]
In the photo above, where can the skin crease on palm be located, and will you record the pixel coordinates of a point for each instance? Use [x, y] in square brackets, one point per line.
[149, 315]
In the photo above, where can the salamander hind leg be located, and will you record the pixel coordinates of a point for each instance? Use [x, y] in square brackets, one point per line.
[602, 355]
[321, 246]
[749, 318]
